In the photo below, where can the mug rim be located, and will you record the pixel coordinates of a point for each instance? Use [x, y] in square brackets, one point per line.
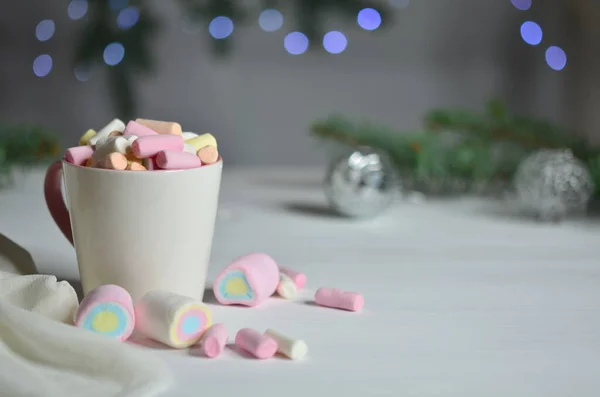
[219, 162]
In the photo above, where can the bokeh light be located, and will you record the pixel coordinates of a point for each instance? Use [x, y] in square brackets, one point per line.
[335, 42]
[45, 30]
[114, 54]
[270, 20]
[82, 72]
[531, 33]
[556, 58]
[522, 5]
[296, 43]
[400, 3]
[221, 27]
[42, 65]
[77, 9]
[128, 17]
[369, 19]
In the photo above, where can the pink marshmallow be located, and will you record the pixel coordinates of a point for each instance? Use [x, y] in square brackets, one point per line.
[214, 340]
[150, 145]
[338, 299]
[259, 345]
[79, 155]
[107, 301]
[298, 278]
[248, 280]
[138, 130]
[175, 160]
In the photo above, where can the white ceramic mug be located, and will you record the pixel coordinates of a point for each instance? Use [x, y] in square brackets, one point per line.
[142, 230]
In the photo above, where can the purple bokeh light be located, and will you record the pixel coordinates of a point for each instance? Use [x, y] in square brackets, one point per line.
[335, 42]
[369, 19]
[522, 5]
[77, 9]
[556, 58]
[270, 20]
[296, 43]
[42, 65]
[221, 27]
[45, 30]
[128, 17]
[531, 33]
[114, 54]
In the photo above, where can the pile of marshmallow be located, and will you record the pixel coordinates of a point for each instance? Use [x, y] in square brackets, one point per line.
[180, 322]
[143, 145]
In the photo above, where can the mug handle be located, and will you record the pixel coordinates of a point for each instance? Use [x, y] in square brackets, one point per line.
[54, 199]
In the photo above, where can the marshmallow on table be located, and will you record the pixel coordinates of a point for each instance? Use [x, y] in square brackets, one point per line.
[161, 127]
[286, 288]
[208, 154]
[86, 137]
[248, 280]
[136, 129]
[175, 320]
[338, 299]
[79, 155]
[115, 125]
[175, 160]
[150, 146]
[214, 340]
[188, 135]
[201, 141]
[107, 310]
[299, 278]
[259, 345]
[292, 348]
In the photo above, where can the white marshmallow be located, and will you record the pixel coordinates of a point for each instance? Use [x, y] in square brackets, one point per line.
[162, 316]
[115, 125]
[188, 135]
[113, 144]
[189, 148]
[295, 349]
[287, 287]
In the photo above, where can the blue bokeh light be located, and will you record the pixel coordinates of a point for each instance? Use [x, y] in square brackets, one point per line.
[128, 17]
[270, 20]
[335, 42]
[296, 43]
[522, 5]
[45, 30]
[42, 65]
[531, 33]
[117, 4]
[221, 27]
[369, 19]
[114, 54]
[77, 9]
[556, 58]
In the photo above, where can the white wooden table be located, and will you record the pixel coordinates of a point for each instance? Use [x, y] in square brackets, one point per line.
[461, 300]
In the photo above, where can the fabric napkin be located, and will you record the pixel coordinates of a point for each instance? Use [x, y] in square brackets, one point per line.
[41, 355]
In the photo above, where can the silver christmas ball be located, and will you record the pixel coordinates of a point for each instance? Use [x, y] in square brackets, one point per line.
[361, 183]
[552, 184]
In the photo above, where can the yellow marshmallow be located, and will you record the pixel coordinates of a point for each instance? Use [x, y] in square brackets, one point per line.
[202, 141]
[86, 137]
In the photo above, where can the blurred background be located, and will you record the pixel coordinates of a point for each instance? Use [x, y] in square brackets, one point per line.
[275, 79]
[259, 99]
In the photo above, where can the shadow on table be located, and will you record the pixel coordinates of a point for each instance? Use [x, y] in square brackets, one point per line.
[311, 209]
[286, 183]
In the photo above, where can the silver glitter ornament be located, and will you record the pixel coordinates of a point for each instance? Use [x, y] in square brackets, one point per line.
[361, 183]
[552, 184]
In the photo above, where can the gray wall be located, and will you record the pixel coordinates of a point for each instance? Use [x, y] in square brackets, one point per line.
[259, 102]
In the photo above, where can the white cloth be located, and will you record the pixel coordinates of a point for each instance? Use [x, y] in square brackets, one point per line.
[42, 356]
